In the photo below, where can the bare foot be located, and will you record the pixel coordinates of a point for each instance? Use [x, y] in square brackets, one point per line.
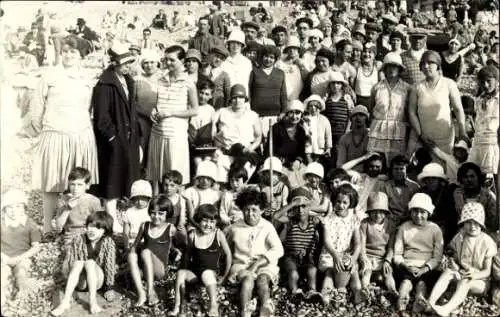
[95, 309]
[213, 311]
[439, 310]
[59, 310]
[153, 299]
[141, 299]
[174, 312]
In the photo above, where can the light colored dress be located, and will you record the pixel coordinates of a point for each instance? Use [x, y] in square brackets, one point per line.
[293, 79]
[434, 112]
[389, 127]
[60, 111]
[168, 144]
[484, 151]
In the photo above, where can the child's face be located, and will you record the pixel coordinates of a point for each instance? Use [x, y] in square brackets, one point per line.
[14, 211]
[94, 233]
[208, 225]
[399, 172]
[205, 182]
[341, 205]
[217, 60]
[460, 154]
[204, 96]
[313, 180]
[313, 108]
[472, 228]
[419, 216]
[302, 210]
[252, 214]
[377, 216]
[237, 183]
[431, 183]
[489, 85]
[238, 102]
[170, 188]
[335, 87]
[141, 202]
[77, 187]
[158, 217]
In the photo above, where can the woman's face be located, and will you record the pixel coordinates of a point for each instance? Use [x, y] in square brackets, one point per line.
[217, 60]
[314, 41]
[70, 56]
[268, 60]
[191, 65]
[430, 69]
[359, 37]
[303, 30]
[251, 55]
[454, 47]
[292, 53]
[327, 30]
[94, 233]
[172, 62]
[322, 63]
[14, 211]
[431, 183]
[313, 108]
[234, 47]
[470, 180]
[251, 215]
[294, 116]
[313, 180]
[489, 84]
[208, 225]
[356, 54]
[238, 102]
[417, 43]
[371, 35]
[158, 217]
[359, 120]
[367, 56]
[396, 43]
[419, 216]
[472, 228]
[391, 71]
[149, 67]
[336, 87]
[346, 53]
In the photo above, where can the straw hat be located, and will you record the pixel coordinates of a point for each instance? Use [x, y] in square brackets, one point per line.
[422, 201]
[120, 54]
[277, 165]
[377, 201]
[141, 188]
[337, 77]
[14, 196]
[315, 168]
[360, 109]
[315, 98]
[207, 169]
[236, 36]
[295, 105]
[393, 58]
[472, 210]
[432, 170]
[359, 28]
[193, 53]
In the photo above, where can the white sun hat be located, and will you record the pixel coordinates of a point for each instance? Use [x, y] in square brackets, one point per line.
[432, 170]
[423, 201]
[141, 188]
[14, 196]
[277, 165]
[317, 98]
[120, 54]
[207, 169]
[236, 36]
[473, 211]
[315, 168]
[293, 41]
[377, 201]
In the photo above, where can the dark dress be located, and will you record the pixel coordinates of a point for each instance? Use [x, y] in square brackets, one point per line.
[451, 70]
[115, 116]
[284, 147]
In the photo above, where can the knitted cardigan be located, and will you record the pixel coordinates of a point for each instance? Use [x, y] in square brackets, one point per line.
[106, 257]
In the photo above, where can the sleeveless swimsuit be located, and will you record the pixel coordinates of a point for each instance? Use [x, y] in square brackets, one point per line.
[205, 259]
[158, 246]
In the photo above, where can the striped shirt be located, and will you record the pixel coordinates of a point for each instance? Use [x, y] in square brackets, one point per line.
[301, 242]
[172, 96]
[337, 112]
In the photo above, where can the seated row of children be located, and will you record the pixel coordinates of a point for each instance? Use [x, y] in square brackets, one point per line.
[331, 240]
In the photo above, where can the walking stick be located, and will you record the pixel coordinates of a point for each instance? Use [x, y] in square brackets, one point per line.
[271, 162]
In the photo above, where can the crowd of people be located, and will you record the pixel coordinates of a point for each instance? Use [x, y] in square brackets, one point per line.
[329, 153]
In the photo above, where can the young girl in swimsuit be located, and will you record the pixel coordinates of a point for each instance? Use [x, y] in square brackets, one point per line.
[201, 260]
[155, 250]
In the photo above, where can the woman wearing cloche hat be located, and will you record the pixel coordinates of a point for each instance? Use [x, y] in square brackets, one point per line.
[116, 128]
[389, 125]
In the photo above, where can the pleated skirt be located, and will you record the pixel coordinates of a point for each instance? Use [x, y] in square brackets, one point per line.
[57, 153]
[167, 154]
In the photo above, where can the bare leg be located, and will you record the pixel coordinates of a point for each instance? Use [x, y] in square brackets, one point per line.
[180, 289]
[111, 209]
[247, 286]
[209, 279]
[366, 276]
[441, 286]
[136, 277]
[311, 277]
[264, 293]
[49, 209]
[463, 288]
[95, 279]
[148, 270]
[73, 279]
[327, 286]
[390, 283]
[293, 280]
[404, 294]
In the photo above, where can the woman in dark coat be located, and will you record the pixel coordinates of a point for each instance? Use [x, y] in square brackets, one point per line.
[116, 129]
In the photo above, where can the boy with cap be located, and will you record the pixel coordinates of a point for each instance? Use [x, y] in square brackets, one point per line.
[418, 249]
[20, 240]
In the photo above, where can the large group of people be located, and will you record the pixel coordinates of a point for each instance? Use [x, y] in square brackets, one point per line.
[333, 152]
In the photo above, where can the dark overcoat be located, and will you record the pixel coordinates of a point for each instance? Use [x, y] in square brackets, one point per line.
[114, 115]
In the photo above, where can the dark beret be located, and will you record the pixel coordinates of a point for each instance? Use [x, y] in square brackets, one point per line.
[279, 28]
[250, 24]
[373, 26]
[304, 20]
